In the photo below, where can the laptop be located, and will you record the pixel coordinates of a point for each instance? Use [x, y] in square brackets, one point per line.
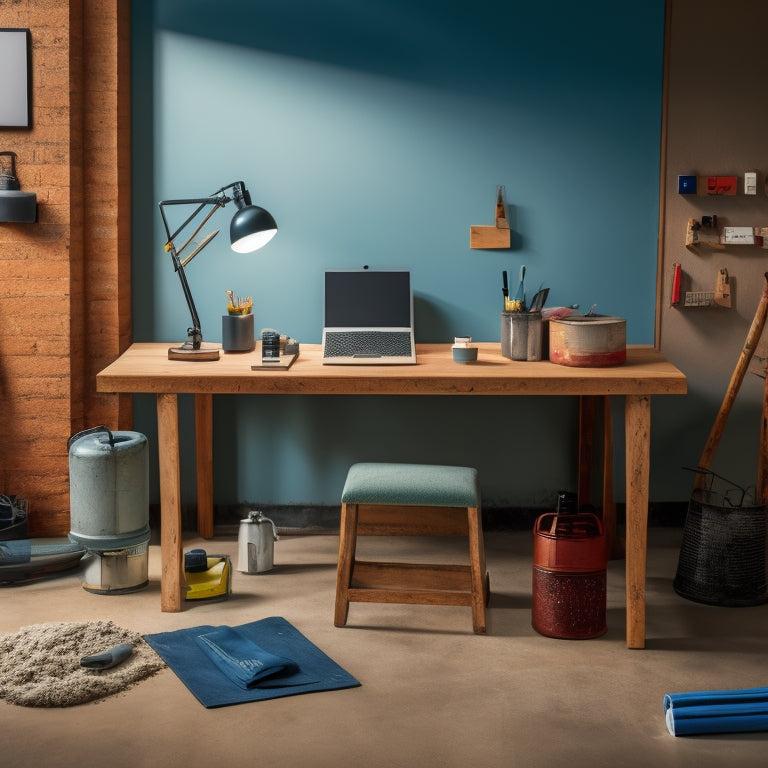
[368, 317]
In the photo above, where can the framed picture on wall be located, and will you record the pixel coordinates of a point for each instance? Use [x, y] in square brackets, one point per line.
[15, 82]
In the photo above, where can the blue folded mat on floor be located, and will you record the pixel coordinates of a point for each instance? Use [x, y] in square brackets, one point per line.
[738, 710]
[247, 664]
[265, 659]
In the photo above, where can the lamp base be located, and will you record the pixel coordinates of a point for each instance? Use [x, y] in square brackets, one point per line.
[186, 352]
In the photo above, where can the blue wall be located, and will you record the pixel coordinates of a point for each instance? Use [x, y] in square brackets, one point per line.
[376, 133]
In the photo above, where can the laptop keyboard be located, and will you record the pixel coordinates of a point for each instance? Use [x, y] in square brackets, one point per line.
[367, 344]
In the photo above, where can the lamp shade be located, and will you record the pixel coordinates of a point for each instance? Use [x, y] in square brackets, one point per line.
[252, 227]
[16, 206]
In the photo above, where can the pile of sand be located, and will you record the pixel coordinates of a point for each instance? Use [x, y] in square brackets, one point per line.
[40, 664]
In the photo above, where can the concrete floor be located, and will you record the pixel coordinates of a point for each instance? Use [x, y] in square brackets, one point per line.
[432, 694]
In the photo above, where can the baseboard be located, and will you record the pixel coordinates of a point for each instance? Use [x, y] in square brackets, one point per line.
[300, 519]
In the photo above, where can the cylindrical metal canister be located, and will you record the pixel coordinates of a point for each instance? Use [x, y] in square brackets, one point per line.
[588, 341]
[569, 576]
[256, 543]
[118, 571]
[521, 335]
[108, 489]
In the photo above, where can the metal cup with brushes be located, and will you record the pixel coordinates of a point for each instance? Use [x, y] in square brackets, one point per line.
[237, 329]
[521, 325]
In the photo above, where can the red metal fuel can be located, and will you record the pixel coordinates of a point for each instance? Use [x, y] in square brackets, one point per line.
[569, 576]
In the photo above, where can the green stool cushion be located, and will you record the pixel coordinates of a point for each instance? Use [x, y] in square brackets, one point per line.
[417, 484]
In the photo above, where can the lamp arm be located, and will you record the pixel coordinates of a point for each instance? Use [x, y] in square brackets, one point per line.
[219, 199]
[194, 334]
[203, 201]
[192, 237]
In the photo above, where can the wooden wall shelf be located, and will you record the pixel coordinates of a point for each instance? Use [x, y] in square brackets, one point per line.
[493, 236]
[721, 185]
[697, 234]
[720, 297]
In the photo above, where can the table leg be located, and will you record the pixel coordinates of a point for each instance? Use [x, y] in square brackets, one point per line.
[586, 449]
[637, 418]
[588, 408]
[204, 464]
[171, 579]
[613, 542]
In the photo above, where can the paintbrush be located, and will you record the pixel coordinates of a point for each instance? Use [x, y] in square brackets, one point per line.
[520, 295]
[538, 300]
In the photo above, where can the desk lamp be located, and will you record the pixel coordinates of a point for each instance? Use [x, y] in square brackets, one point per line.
[250, 229]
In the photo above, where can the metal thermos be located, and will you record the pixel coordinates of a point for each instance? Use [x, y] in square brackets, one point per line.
[256, 543]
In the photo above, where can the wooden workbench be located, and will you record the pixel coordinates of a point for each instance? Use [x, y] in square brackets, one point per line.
[145, 368]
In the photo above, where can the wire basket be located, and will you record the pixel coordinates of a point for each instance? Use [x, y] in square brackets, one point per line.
[723, 553]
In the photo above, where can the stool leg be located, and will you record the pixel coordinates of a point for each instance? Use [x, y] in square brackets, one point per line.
[347, 546]
[478, 574]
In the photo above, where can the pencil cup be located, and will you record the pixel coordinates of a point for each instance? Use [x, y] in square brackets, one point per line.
[237, 333]
[521, 335]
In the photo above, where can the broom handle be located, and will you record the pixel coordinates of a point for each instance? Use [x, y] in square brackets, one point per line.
[753, 337]
[762, 457]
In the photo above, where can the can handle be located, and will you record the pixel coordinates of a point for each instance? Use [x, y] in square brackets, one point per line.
[92, 431]
[576, 519]
[257, 516]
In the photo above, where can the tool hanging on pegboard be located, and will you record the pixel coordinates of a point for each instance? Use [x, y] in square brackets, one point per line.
[722, 295]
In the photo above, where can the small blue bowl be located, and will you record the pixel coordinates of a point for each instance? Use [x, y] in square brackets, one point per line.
[464, 354]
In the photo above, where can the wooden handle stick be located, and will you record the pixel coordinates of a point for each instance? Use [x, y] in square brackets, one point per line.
[753, 337]
[762, 458]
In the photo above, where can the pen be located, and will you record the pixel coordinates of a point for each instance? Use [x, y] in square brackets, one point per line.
[505, 288]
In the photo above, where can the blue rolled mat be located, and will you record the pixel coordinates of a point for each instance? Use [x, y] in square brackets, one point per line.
[219, 676]
[738, 710]
[15, 552]
[248, 665]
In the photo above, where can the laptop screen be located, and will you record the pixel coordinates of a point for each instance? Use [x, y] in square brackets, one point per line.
[368, 298]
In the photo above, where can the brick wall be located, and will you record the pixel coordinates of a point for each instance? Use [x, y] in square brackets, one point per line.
[65, 281]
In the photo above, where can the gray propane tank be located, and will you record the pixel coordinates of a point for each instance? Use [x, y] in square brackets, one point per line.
[108, 489]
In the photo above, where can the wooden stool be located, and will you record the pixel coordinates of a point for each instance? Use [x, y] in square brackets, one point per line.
[411, 500]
